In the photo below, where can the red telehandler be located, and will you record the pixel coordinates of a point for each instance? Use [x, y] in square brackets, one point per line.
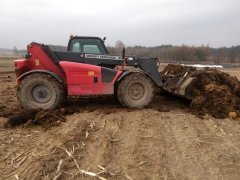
[45, 77]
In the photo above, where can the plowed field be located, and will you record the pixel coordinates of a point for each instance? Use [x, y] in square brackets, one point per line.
[163, 141]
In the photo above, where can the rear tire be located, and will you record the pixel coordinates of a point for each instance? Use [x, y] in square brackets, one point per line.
[41, 91]
[136, 91]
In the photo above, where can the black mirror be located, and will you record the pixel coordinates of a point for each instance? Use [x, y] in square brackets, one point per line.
[104, 38]
[123, 53]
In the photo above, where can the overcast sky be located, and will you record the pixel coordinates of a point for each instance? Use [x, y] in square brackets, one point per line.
[135, 22]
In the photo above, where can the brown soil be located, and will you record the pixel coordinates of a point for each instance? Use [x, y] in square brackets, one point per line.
[163, 141]
[8, 102]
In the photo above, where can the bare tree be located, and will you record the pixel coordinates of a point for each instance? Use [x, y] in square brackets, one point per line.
[119, 45]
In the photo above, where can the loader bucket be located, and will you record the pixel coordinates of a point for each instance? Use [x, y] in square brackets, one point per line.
[185, 88]
[181, 86]
[180, 83]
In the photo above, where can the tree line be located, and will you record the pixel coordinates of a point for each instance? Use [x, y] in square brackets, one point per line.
[191, 54]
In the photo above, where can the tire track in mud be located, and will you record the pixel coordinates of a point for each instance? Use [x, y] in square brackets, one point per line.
[156, 146]
[107, 145]
[164, 152]
[184, 139]
[121, 152]
[94, 137]
[111, 143]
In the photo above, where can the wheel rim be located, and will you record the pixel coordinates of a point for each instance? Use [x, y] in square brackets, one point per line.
[41, 94]
[136, 91]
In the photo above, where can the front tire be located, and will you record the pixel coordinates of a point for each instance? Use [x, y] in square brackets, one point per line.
[41, 91]
[136, 91]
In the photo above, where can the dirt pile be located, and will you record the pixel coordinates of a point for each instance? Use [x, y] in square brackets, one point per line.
[215, 92]
[44, 118]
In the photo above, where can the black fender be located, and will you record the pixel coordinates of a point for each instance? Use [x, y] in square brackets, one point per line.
[54, 75]
[125, 73]
[149, 67]
[150, 71]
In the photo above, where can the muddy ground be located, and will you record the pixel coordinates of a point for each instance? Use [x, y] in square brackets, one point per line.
[164, 141]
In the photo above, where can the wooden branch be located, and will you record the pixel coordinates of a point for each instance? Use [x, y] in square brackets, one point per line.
[79, 169]
[104, 170]
[58, 172]
[128, 177]
[16, 176]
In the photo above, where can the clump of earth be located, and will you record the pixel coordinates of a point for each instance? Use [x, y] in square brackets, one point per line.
[214, 92]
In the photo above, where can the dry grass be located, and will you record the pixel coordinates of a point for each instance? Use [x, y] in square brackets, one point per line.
[233, 72]
[6, 65]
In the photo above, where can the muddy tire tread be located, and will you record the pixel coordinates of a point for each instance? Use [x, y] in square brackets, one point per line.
[26, 83]
[140, 77]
